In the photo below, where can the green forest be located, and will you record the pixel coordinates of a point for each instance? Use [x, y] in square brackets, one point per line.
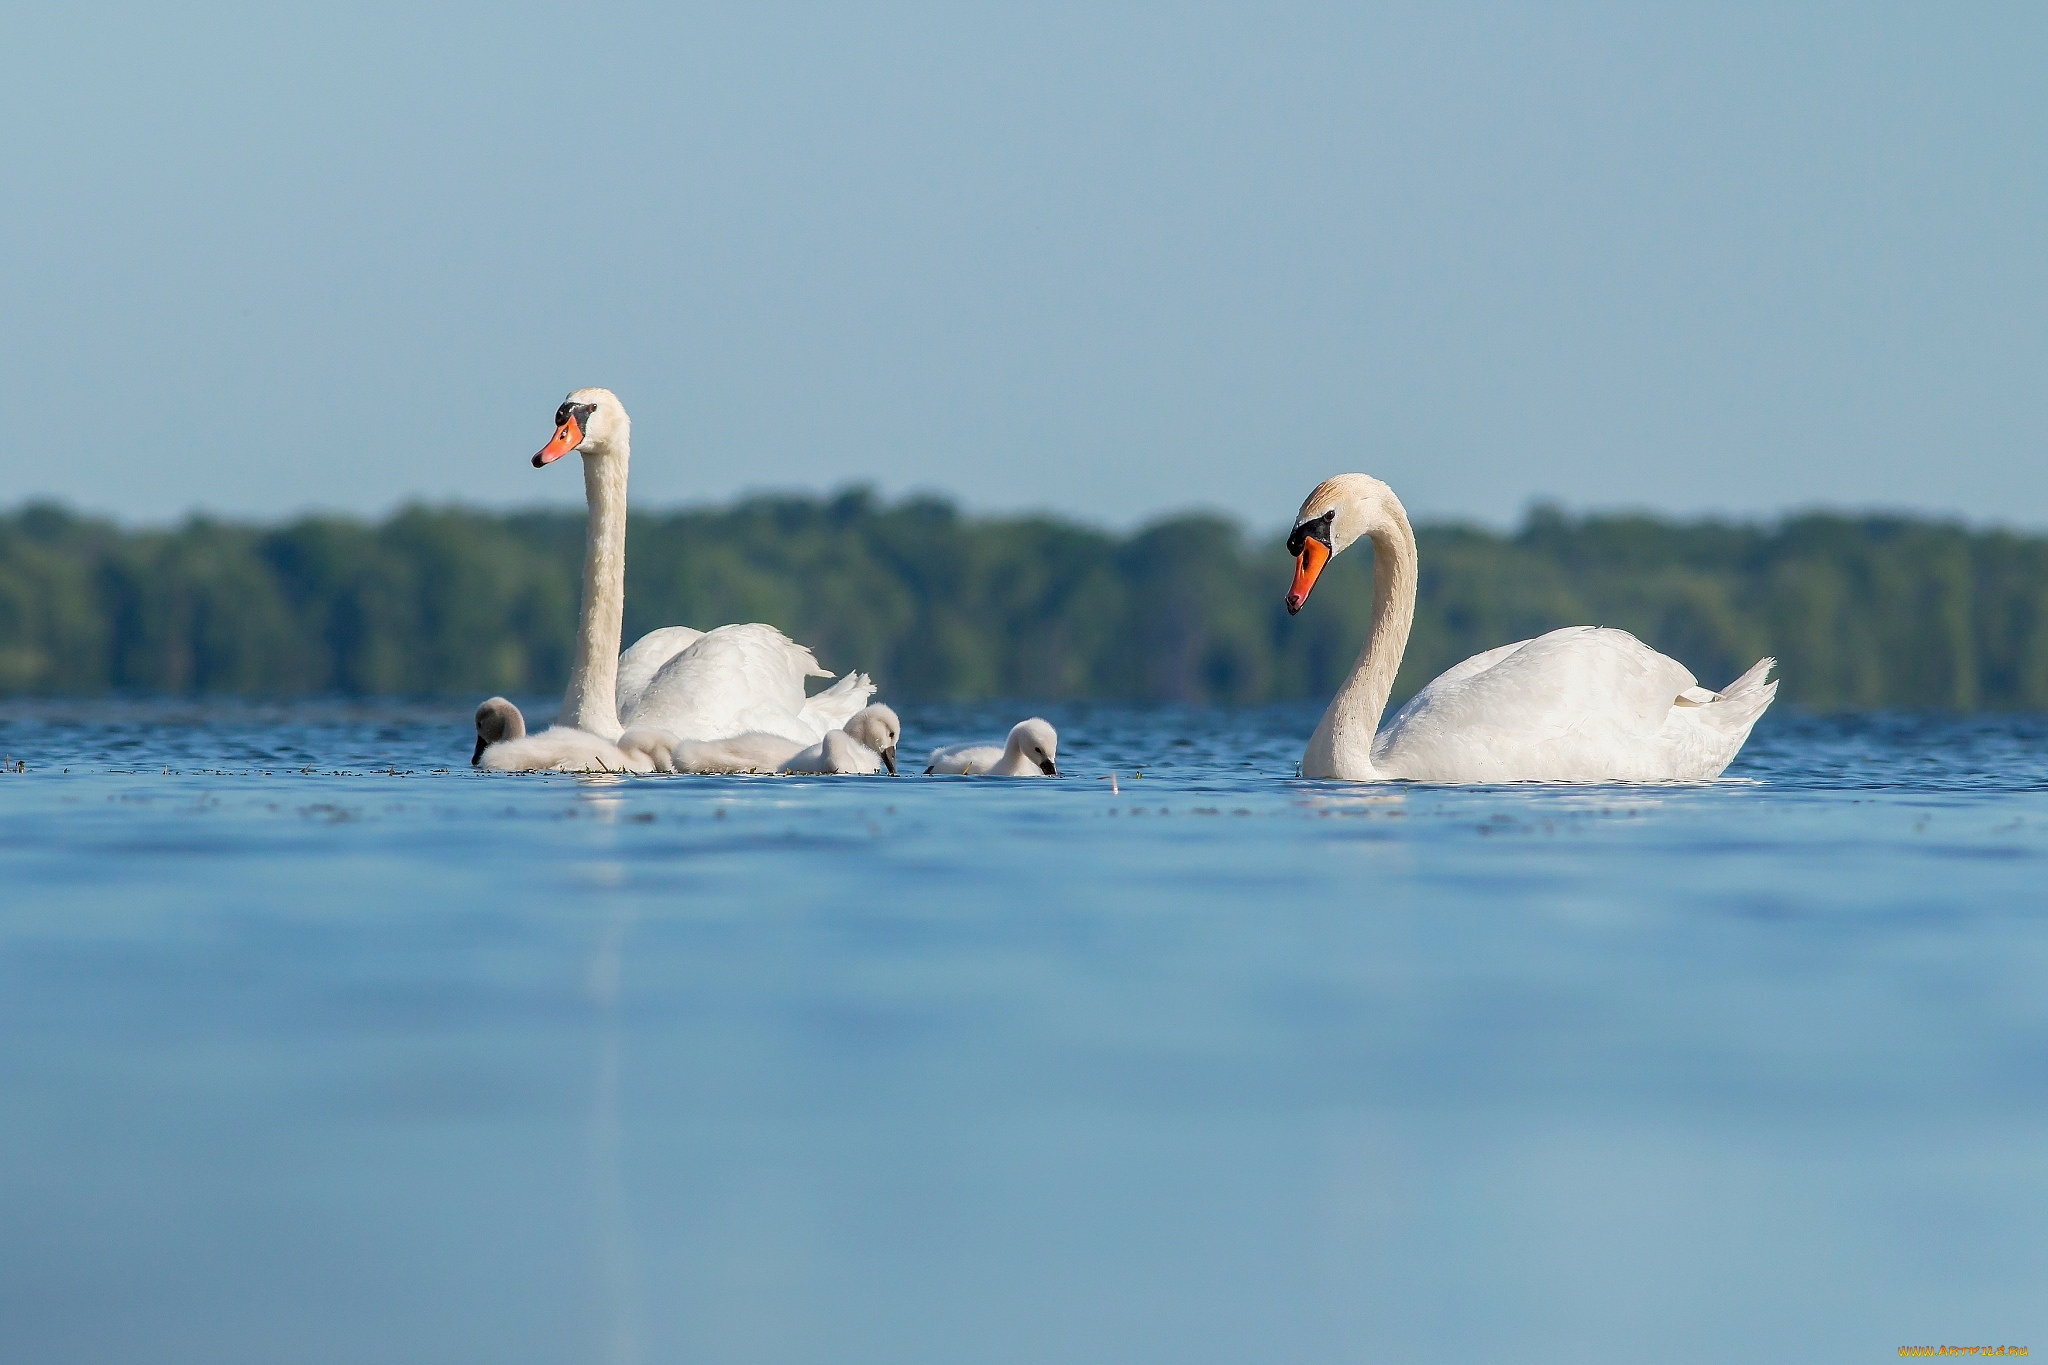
[1861, 611]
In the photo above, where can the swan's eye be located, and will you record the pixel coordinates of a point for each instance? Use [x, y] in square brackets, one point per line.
[1319, 528]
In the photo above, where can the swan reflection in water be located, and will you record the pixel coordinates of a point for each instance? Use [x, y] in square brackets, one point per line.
[618, 1260]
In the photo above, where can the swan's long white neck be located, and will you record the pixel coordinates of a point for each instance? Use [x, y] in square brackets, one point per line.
[1342, 743]
[591, 701]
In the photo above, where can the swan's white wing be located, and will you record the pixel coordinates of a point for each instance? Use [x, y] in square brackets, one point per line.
[1582, 704]
[639, 664]
[735, 679]
[1473, 666]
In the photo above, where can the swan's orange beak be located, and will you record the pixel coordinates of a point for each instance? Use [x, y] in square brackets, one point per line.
[1307, 565]
[568, 436]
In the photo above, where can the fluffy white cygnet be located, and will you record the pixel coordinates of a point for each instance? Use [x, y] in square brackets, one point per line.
[503, 744]
[656, 746]
[1031, 749]
[867, 744]
[753, 752]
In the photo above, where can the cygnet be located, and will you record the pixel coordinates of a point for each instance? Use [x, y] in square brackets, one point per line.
[1031, 749]
[866, 744]
[753, 752]
[503, 744]
[656, 746]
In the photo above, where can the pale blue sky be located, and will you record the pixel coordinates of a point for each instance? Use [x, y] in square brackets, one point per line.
[1108, 260]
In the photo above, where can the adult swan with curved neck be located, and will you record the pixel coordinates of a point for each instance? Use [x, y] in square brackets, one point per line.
[1582, 704]
[696, 685]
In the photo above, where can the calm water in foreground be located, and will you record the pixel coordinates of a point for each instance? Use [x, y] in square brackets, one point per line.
[317, 1046]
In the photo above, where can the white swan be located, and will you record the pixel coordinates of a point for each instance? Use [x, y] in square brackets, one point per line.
[1031, 749]
[503, 744]
[696, 686]
[867, 744]
[1582, 704]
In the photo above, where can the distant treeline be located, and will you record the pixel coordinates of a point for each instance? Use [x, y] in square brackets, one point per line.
[1861, 611]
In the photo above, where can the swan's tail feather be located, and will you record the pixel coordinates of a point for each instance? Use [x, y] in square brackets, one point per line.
[1742, 701]
[837, 704]
[808, 661]
[1752, 679]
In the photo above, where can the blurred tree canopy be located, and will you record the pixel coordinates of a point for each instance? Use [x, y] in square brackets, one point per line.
[1862, 611]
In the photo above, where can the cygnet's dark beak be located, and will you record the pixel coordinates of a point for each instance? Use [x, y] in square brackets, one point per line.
[478, 756]
[1045, 766]
[889, 758]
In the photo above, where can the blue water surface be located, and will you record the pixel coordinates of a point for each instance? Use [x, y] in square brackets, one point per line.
[318, 1046]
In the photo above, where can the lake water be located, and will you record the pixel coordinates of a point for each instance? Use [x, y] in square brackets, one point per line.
[317, 1046]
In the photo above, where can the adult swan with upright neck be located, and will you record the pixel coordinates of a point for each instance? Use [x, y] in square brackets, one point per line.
[696, 685]
[1582, 704]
